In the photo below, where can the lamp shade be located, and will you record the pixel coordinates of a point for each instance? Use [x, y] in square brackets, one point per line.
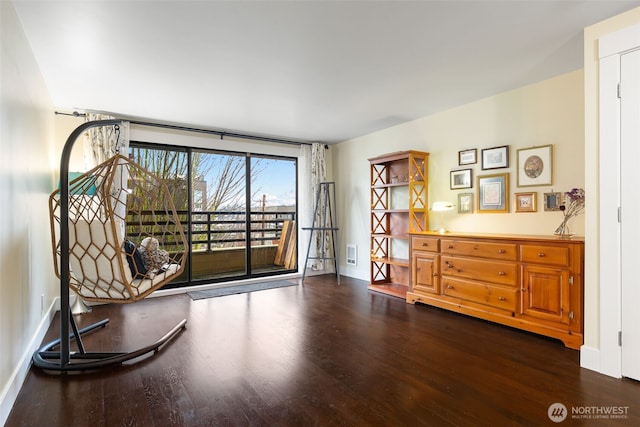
[442, 206]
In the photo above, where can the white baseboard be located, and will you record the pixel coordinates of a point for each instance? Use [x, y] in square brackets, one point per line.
[590, 358]
[356, 273]
[12, 389]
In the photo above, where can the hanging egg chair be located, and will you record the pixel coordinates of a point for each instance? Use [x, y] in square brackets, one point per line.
[125, 236]
[116, 238]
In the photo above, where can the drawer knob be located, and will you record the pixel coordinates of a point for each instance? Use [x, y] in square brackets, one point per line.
[425, 244]
[435, 274]
[502, 298]
[501, 251]
[501, 273]
[450, 246]
[541, 254]
[449, 287]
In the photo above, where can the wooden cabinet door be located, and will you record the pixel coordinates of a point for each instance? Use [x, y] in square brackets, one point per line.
[425, 272]
[546, 293]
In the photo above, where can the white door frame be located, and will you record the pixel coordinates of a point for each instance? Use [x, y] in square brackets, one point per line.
[611, 47]
[630, 202]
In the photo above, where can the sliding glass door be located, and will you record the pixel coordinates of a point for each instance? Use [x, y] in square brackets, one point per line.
[239, 210]
[219, 215]
[273, 214]
[172, 167]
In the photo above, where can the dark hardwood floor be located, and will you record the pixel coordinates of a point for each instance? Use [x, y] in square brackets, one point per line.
[319, 355]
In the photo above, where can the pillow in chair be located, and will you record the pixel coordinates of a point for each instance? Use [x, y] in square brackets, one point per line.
[134, 258]
[153, 257]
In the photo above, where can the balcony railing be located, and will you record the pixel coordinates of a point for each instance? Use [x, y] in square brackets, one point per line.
[218, 240]
[215, 229]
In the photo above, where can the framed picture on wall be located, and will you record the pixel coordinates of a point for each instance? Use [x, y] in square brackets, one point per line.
[495, 158]
[493, 193]
[460, 179]
[552, 201]
[468, 157]
[535, 166]
[465, 203]
[526, 202]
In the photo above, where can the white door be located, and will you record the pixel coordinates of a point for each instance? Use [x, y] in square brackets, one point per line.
[630, 219]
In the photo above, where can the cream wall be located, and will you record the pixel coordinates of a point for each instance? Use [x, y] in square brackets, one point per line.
[548, 112]
[27, 285]
[592, 337]
[64, 125]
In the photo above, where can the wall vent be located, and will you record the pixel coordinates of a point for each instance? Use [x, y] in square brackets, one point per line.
[352, 254]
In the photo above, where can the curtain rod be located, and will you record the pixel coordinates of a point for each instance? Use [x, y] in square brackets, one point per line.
[74, 114]
[221, 134]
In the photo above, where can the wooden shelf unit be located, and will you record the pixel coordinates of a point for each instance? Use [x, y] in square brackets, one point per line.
[399, 197]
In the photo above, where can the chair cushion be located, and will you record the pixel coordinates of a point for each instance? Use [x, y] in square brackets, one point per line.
[97, 260]
[98, 266]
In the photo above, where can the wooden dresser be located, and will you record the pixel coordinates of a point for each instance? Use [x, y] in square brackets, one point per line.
[528, 282]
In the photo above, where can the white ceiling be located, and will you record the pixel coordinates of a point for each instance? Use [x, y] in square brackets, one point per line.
[305, 70]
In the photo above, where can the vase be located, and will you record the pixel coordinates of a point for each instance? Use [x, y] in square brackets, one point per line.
[563, 228]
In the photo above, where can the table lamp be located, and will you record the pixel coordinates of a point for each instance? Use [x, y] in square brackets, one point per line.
[441, 207]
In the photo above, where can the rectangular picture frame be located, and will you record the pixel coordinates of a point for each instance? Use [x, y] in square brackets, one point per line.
[493, 193]
[526, 202]
[465, 203]
[495, 157]
[552, 201]
[460, 178]
[535, 166]
[468, 157]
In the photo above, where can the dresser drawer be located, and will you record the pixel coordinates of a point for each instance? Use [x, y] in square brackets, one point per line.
[504, 273]
[419, 243]
[502, 251]
[542, 254]
[494, 296]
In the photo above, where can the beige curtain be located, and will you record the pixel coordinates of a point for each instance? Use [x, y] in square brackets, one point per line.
[102, 143]
[318, 175]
